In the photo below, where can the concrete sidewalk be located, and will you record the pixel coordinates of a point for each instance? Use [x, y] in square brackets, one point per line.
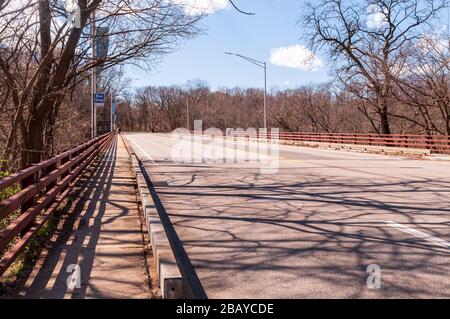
[101, 241]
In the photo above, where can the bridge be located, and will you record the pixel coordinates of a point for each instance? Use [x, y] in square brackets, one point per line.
[147, 218]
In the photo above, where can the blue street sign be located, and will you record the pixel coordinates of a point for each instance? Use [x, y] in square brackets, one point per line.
[99, 98]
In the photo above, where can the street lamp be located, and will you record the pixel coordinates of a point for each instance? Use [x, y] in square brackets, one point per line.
[262, 65]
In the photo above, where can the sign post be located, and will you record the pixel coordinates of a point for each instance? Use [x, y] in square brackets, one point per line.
[100, 46]
[93, 80]
[99, 103]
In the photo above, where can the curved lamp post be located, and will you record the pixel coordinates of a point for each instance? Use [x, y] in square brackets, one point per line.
[262, 65]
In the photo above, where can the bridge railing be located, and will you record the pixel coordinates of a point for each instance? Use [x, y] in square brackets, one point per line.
[40, 191]
[439, 144]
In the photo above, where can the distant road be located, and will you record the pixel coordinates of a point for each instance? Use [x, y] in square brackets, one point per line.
[312, 229]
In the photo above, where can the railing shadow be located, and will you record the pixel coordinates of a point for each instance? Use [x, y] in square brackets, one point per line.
[77, 244]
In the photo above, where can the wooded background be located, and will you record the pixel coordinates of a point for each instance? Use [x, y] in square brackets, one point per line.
[391, 77]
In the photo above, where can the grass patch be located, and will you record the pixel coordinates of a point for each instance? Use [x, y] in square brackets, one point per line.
[31, 251]
[9, 191]
[4, 194]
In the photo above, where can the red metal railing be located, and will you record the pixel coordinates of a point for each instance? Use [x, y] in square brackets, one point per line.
[43, 186]
[439, 144]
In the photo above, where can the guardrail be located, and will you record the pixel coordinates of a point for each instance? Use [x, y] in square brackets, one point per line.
[43, 186]
[438, 144]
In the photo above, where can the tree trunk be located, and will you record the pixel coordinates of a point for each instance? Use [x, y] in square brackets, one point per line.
[447, 125]
[384, 118]
[33, 143]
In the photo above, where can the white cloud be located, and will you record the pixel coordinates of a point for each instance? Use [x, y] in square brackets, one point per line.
[198, 7]
[376, 19]
[296, 57]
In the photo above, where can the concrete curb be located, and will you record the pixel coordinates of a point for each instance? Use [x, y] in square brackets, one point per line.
[168, 273]
[365, 148]
[387, 150]
[176, 275]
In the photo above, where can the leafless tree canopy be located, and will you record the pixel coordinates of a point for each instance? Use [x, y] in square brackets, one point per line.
[310, 108]
[43, 57]
[368, 41]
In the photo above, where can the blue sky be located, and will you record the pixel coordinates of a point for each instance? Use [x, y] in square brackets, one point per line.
[273, 26]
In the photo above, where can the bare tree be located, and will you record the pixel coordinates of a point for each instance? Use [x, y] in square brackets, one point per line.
[366, 42]
[425, 86]
[45, 55]
[313, 108]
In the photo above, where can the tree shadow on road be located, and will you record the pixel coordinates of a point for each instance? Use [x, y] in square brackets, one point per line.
[291, 236]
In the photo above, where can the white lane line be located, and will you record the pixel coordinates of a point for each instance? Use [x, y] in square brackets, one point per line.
[419, 234]
[173, 146]
[169, 146]
[142, 151]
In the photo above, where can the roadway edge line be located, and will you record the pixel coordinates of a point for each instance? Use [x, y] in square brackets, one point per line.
[175, 282]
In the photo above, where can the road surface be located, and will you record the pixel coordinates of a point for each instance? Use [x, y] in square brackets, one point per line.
[317, 228]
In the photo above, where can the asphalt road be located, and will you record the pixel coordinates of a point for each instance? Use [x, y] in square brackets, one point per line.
[312, 228]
